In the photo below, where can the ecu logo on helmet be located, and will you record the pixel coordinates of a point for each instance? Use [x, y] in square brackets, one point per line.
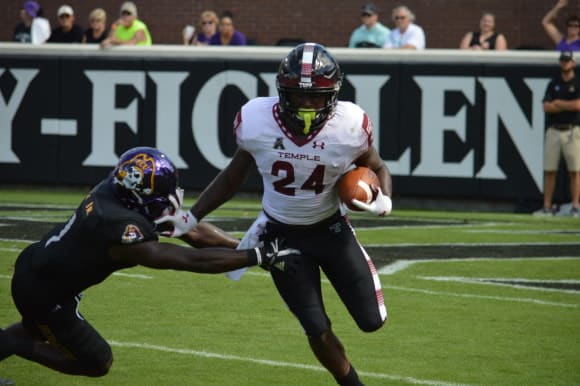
[131, 174]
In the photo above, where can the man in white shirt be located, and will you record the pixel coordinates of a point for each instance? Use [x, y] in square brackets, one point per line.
[406, 35]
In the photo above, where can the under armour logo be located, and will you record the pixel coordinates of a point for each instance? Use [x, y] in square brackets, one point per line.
[279, 144]
[316, 144]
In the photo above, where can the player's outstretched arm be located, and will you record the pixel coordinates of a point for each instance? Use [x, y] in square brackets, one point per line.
[154, 254]
[207, 235]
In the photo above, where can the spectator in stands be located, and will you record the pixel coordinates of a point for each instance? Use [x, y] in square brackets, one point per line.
[33, 28]
[562, 108]
[22, 30]
[486, 38]
[407, 34]
[571, 40]
[67, 31]
[128, 30]
[227, 34]
[97, 31]
[371, 33]
[207, 27]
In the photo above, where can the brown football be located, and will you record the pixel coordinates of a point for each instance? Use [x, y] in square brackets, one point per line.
[357, 184]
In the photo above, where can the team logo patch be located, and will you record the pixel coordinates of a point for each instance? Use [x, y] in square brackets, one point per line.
[131, 234]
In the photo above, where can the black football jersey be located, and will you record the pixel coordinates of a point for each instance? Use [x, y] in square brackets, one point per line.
[74, 255]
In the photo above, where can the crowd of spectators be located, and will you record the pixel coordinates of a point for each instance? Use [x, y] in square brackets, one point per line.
[213, 30]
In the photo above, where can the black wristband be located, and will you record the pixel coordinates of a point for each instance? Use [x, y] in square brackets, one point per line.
[253, 257]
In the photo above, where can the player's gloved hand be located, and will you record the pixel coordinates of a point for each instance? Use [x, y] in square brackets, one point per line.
[381, 205]
[274, 255]
[182, 222]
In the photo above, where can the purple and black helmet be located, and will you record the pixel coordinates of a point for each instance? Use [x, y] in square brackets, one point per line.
[145, 179]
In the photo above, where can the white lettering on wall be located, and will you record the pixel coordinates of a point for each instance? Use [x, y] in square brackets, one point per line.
[8, 109]
[525, 129]
[368, 96]
[434, 124]
[167, 122]
[105, 114]
[205, 112]
[528, 139]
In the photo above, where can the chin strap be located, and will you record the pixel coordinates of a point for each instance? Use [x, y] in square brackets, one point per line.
[307, 115]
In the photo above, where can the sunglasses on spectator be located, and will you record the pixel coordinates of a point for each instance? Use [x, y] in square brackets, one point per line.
[400, 17]
[64, 16]
[366, 15]
[126, 13]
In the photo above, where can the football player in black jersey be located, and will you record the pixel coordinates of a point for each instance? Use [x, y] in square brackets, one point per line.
[113, 228]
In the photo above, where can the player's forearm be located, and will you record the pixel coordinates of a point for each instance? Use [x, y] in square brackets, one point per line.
[386, 181]
[206, 235]
[209, 260]
[219, 260]
[220, 190]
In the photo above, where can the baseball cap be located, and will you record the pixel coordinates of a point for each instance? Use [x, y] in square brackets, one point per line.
[65, 10]
[566, 56]
[31, 7]
[129, 7]
[370, 9]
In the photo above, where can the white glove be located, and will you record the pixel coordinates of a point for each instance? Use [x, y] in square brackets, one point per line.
[182, 222]
[381, 206]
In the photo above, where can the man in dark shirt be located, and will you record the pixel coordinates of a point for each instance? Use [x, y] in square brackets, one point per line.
[67, 31]
[562, 108]
[113, 228]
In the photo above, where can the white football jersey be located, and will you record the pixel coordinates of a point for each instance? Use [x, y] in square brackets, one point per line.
[299, 173]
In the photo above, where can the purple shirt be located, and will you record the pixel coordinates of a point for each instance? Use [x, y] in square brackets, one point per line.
[239, 39]
[563, 46]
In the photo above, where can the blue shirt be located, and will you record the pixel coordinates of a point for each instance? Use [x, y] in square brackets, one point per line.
[376, 35]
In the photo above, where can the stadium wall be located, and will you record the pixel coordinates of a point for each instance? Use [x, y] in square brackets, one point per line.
[448, 123]
[329, 22]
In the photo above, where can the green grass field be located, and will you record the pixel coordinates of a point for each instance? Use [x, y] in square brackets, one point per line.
[475, 321]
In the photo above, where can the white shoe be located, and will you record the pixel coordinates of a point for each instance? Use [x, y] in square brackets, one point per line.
[543, 212]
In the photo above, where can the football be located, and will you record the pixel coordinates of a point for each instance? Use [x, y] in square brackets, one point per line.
[357, 184]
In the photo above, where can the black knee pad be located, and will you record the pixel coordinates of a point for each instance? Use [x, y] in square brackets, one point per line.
[370, 325]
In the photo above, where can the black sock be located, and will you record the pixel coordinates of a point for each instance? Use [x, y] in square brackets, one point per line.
[350, 379]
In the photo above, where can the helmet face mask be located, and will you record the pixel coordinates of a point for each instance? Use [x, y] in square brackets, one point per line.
[308, 82]
[145, 179]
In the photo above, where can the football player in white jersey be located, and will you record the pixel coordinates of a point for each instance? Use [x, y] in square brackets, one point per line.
[301, 143]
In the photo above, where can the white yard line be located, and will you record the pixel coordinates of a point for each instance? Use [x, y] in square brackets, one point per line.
[18, 241]
[123, 274]
[268, 362]
[517, 244]
[507, 282]
[454, 294]
[132, 275]
[401, 265]
[486, 297]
